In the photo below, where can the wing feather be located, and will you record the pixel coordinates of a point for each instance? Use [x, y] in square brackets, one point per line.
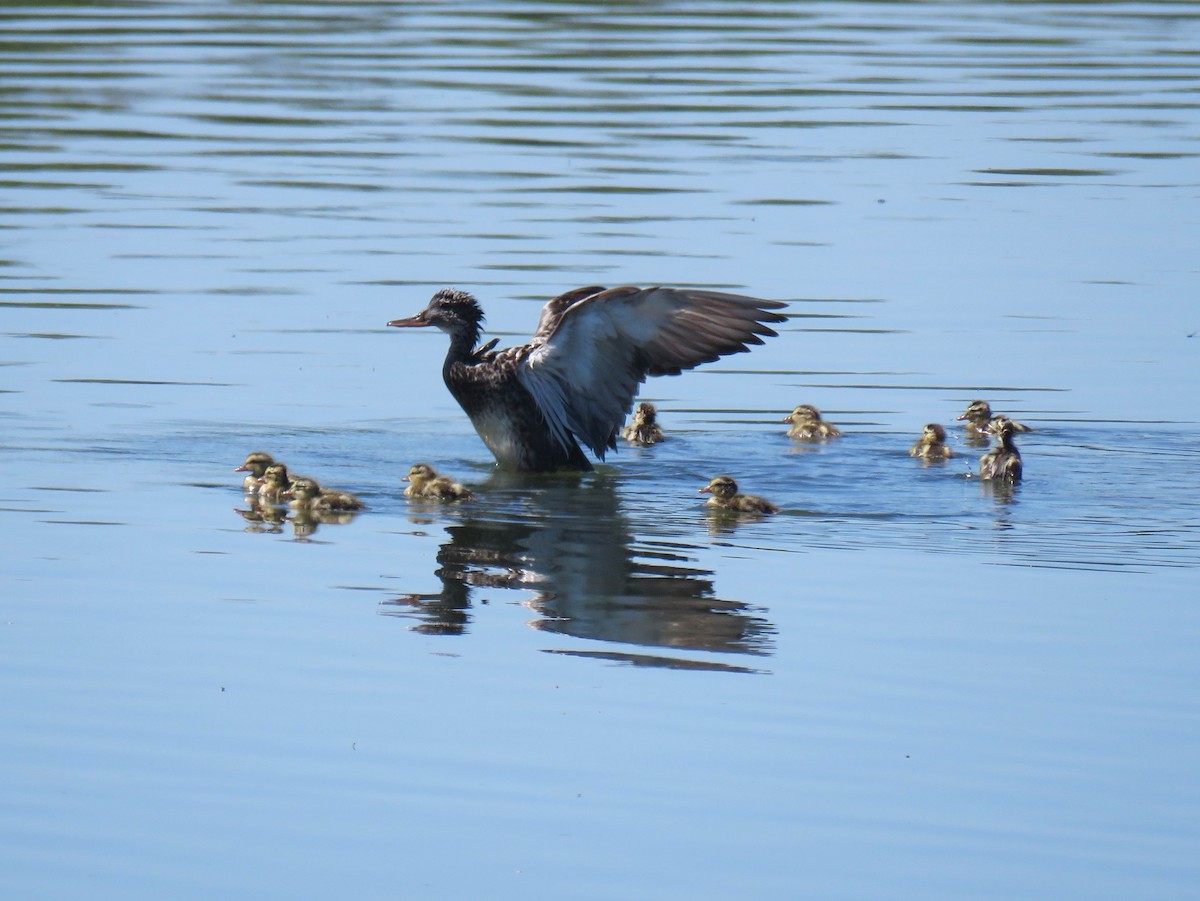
[586, 369]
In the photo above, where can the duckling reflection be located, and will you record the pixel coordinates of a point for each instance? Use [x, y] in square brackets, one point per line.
[643, 428]
[931, 446]
[807, 425]
[262, 517]
[570, 544]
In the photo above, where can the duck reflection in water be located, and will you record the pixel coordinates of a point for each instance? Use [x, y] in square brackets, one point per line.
[568, 543]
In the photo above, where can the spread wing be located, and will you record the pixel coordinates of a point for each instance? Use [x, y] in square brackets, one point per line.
[586, 369]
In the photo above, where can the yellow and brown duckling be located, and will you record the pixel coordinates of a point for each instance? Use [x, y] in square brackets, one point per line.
[724, 496]
[275, 483]
[424, 482]
[1003, 462]
[256, 464]
[807, 425]
[306, 494]
[978, 417]
[643, 428]
[931, 446]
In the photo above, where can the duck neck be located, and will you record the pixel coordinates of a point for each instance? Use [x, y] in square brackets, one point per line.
[462, 342]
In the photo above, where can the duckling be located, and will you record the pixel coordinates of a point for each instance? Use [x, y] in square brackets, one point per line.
[1003, 462]
[643, 428]
[307, 495]
[931, 447]
[993, 423]
[256, 464]
[724, 491]
[978, 415]
[807, 425]
[275, 482]
[424, 482]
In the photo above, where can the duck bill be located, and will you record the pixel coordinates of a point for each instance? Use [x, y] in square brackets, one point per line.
[707, 489]
[242, 468]
[406, 479]
[411, 322]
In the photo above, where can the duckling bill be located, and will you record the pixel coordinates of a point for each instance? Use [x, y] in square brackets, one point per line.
[574, 381]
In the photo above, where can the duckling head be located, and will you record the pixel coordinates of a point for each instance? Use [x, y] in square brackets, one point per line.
[722, 488]
[804, 413]
[420, 474]
[256, 464]
[977, 411]
[934, 433]
[645, 414]
[303, 488]
[276, 475]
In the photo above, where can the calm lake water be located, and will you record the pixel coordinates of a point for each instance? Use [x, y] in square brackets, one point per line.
[904, 686]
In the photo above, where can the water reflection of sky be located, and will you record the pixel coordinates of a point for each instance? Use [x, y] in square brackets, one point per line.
[208, 212]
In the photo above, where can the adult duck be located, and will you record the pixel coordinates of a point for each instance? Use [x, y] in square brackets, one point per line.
[574, 382]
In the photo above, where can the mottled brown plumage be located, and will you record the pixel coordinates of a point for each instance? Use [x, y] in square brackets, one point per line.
[256, 464]
[574, 382]
[1002, 462]
[307, 494]
[724, 496]
[643, 428]
[807, 425]
[931, 446]
[424, 482]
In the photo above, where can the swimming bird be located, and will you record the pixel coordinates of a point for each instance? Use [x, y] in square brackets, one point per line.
[931, 446]
[424, 482]
[275, 482]
[643, 428]
[307, 494]
[1002, 462]
[978, 415]
[724, 491]
[256, 464]
[574, 382]
[807, 425]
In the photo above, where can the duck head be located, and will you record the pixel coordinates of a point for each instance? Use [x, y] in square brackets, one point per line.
[804, 413]
[645, 414]
[419, 476]
[303, 488]
[722, 488]
[256, 464]
[453, 311]
[977, 411]
[934, 432]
